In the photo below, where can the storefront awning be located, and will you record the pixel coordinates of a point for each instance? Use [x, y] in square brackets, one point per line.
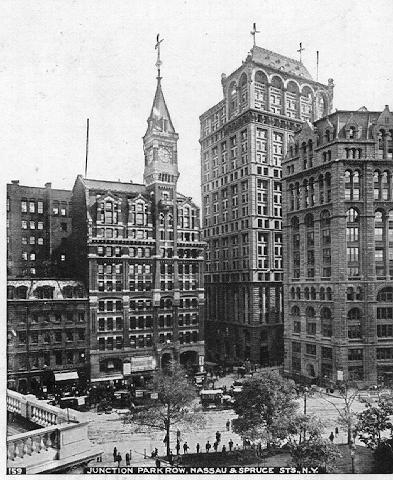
[63, 376]
[107, 379]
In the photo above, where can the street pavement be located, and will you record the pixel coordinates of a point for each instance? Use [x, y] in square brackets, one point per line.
[108, 430]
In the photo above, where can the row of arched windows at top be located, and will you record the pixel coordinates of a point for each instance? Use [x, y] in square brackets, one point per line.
[310, 192]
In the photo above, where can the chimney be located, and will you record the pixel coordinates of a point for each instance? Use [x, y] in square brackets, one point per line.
[48, 185]
[15, 182]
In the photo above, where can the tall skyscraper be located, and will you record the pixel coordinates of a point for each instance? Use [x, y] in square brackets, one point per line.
[243, 141]
[138, 249]
[338, 239]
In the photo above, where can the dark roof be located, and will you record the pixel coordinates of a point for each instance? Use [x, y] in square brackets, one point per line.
[159, 112]
[113, 186]
[279, 62]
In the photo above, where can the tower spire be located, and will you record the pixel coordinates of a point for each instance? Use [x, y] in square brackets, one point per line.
[301, 49]
[159, 62]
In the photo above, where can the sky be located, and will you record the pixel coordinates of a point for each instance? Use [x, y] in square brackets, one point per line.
[65, 61]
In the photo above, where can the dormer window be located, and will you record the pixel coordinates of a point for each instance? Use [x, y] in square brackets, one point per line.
[351, 133]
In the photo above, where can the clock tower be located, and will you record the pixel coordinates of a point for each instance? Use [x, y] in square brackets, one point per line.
[160, 145]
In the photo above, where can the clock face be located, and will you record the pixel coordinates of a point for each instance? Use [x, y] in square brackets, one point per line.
[164, 155]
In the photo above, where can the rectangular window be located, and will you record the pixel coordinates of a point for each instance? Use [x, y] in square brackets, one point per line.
[311, 349]
[355, 354]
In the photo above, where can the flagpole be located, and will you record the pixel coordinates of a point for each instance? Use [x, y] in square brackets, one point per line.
[87, 145]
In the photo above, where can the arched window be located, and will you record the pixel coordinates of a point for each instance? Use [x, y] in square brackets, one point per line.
[295, 247]
[232, 98]
[304, 155]
[260, 91]
[322, 293]
[313, 293]
[390, 242]
[292, 100]
[293, 293]
[321, 189]
[385, 295]
[380, 244]
[295, 313]
[350, 293]
[306, 101]
[326, 322]
[307, 293]
[10, 292]
[385, 186]
[354, 323]
[276, 95]
[325, 244]
[311, 192]
[243, 91]
[329, 295]
[291, 197]
[298, 293]
[377, 185]
[297, 196]
[311, 326]
[352, 237]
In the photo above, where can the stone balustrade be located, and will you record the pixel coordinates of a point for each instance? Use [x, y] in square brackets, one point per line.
[32, 443]
[62, 442]
[38, 411]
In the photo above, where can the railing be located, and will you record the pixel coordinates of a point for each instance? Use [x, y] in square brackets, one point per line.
[63, 442]
[37, 411]
[35, 442]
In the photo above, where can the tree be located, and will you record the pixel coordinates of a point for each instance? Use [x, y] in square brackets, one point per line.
[264, 399]
[315, 452]
[348, 391]
[373, 421]
[304, 439]
[175, 404]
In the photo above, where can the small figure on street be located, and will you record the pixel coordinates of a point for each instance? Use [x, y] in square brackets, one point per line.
[114, 454]
[224, 449]
[198, 447]
[178, 447]
[230, 443]
[218, 436]
[237, 447]
[185, 448]
[178, 435]
[130, 454]
[156, 452]
[165, 441]
[215, 446]
[208, 446]
[158, 463]
[331, 436]
[118, 459]
[170, 458]
[336, 432]
[127, 459]
[228, 425]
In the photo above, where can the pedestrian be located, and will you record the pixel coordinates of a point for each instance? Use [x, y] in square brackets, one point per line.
[230, 443]
[127, 459]
[224, 449]
[237, 447]
[218, 436]
[178, 435]
[114, 454]
[185, 448]
[118, 459]
[228, 425]
[331, 436]
[198, 447]
[170, 458]
[336, 432]
[156, 452]
[158, 463]
[178, 447]
[208, 446]
[130, 454]
[215, 446]
[165, 441]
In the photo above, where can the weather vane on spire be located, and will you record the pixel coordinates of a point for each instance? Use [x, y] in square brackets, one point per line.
[254, 32]
[157, 47]
[301, 49]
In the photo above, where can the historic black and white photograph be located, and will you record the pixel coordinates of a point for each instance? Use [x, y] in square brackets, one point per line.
[198, 199]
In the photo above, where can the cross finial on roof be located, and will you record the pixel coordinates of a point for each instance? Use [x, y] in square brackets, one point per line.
[301, 49]
[254, 32]
[158, 63]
